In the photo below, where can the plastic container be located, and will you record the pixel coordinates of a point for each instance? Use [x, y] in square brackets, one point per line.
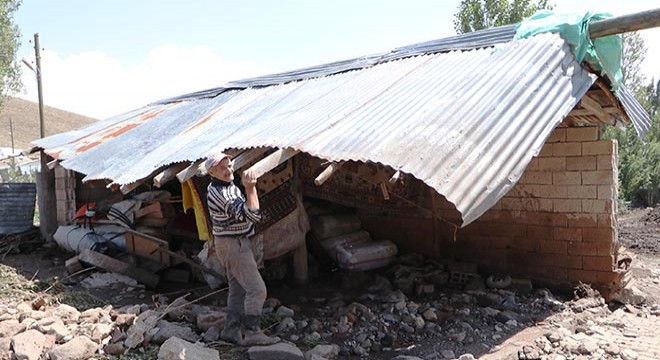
[330, 245]
[327, 226]
[366, 255]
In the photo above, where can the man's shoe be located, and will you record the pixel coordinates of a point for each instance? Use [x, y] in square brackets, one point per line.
[253, 334]
[232, 330]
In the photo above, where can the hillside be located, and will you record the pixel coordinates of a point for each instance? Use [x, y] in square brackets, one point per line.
[24, 115]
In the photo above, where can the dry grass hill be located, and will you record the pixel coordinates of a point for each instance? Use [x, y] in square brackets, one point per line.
[24, 115]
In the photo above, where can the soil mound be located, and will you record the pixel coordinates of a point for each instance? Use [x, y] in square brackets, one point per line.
[653, 216]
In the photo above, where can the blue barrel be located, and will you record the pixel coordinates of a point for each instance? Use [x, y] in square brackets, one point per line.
[17, 207]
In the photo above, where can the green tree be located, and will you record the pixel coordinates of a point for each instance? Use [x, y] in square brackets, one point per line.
[634, 52]
[9, 42]
[473, 15]
[639, 161]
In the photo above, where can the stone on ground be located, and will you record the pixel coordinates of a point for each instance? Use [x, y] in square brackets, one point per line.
[78, 348]
[178, 349]
[324, 351]
[279, 351]
[28, 345]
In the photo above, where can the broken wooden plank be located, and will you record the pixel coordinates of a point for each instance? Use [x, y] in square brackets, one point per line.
[327, 172]
[73, 265]
[113, 265]
[271, 161]
[168, 174]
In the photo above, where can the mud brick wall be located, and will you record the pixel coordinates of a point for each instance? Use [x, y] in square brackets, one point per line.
[65, 195]
[556, 226]
[559, 222]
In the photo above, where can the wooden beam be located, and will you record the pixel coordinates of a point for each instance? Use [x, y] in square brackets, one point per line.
[384, 191]
[52, 164]
[248, 156]
[168, 174]
[113, 265]
[190, 171]
[595, 107]
[300, 271]
[585, 112]
[125, 189]
[327, 172]
[626, 23]
[271, 161]
[395, 178]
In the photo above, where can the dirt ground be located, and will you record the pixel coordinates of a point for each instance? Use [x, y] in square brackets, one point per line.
[461, 327]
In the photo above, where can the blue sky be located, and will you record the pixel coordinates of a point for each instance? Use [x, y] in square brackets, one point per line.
[102, 58]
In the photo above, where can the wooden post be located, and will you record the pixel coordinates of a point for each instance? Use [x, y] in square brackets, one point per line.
[46, 199]
[299, 255]
[434, 212]
[627, 23]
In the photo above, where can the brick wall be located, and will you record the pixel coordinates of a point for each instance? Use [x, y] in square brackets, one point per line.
[558, 222]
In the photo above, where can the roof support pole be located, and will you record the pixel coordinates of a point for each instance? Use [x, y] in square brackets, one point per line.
[247, 157]
[627, 23]
[327, 172]
[271, 161]
[395, 178]
[168, 174]
[190, 171]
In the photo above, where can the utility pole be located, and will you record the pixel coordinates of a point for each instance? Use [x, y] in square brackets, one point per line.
[37, 54]
[11, 134]
[45, 179]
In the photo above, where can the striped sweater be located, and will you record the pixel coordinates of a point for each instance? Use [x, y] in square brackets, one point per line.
[230, 215]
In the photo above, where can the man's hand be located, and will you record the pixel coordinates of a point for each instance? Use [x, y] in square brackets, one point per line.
[249, 179]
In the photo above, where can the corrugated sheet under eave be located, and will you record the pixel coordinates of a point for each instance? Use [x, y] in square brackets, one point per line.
[467, 123]
[639, 117]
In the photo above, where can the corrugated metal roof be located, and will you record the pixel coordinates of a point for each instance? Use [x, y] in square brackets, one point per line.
[473, 40]
[466, 123]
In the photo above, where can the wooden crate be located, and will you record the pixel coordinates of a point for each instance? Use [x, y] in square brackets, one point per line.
[147, 246]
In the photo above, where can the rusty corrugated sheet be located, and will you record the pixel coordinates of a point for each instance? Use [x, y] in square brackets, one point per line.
[467, 123]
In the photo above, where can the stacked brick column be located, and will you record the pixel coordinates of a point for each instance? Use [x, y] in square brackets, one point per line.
[559, 222]
[65, 195]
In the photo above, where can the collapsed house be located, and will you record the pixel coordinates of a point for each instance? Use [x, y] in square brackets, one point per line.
[479, 148]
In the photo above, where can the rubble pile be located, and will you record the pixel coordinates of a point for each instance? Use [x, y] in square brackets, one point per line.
[416, 309]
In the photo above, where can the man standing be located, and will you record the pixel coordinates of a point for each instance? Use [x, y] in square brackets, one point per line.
[233, 217]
